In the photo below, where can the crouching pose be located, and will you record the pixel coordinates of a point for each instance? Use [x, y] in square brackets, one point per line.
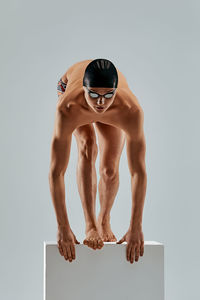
[95, 91]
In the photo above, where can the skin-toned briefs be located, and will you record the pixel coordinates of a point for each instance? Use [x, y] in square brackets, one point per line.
[61, 86]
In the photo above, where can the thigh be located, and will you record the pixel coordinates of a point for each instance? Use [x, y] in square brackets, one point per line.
[86, 140]
[85, 133]
[111, 142]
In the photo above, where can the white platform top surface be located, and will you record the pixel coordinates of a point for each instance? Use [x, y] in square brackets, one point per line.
[147, 243]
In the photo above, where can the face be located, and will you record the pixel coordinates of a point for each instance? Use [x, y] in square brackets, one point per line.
[99, 99]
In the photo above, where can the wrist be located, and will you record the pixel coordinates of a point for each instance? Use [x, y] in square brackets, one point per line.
[64, 227]
[135, 225]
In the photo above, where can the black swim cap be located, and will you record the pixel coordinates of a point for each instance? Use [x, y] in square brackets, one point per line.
[100, 73]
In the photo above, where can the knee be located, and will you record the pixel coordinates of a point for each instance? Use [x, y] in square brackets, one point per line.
[109, 173]
[88, 149]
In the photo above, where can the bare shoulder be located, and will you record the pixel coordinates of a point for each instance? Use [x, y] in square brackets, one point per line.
[134, 122]
[135, 115]
[69, 97]
[66, 114]
[64, 124]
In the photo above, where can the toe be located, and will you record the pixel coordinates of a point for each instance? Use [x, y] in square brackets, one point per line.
[95, 244]
[90, 243]
[100, 244]
[104, 239]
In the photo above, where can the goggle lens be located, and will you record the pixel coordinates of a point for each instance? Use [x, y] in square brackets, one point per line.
[95, 95]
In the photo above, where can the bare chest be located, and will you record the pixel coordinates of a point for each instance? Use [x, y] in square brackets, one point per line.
[116, 115]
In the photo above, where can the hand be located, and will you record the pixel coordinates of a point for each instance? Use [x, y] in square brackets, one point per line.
[66, 240]
[135, 244]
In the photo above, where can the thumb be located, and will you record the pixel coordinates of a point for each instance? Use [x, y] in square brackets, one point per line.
[121, 241]
[77, 242]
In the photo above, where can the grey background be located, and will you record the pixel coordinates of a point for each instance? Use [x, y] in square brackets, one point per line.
[156, 45]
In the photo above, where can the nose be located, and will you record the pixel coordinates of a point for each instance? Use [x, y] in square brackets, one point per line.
[100, 100]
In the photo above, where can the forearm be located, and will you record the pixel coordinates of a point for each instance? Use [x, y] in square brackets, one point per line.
[138, 188]
[57, 188]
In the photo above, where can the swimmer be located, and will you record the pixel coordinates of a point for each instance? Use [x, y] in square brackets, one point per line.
[94, 99]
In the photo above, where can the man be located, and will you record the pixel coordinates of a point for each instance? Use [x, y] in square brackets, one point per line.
[94, 91]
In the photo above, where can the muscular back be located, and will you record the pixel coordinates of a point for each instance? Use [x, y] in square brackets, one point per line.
[74, 74]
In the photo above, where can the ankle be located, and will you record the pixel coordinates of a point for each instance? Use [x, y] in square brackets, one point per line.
[103, 219]
[90, 227]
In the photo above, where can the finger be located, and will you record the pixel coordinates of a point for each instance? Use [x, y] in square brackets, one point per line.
[128, 252]
[60, 248]
[137, 253]
[121, 241]
[69, 253]
[132, 254]
[65, 253]
[142, 249]
[77, 242]
[72, 251]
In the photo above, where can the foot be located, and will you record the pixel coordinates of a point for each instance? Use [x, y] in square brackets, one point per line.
[105, 230]
[93, 239]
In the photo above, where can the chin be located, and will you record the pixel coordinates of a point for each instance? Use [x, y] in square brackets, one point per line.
[100, 111]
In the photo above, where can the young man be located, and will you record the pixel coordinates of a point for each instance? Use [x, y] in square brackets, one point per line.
[94, 91]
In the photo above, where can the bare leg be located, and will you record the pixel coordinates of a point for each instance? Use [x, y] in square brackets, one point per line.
[108, 187]
[87, 187]
[111, 142]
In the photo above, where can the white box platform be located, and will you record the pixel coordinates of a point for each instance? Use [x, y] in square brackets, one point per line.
[104, 274]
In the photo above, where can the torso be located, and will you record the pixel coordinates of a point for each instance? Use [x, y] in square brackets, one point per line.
[74, 101]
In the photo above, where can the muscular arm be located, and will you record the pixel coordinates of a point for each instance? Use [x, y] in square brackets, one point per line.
[60, 152]
[136, 148]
